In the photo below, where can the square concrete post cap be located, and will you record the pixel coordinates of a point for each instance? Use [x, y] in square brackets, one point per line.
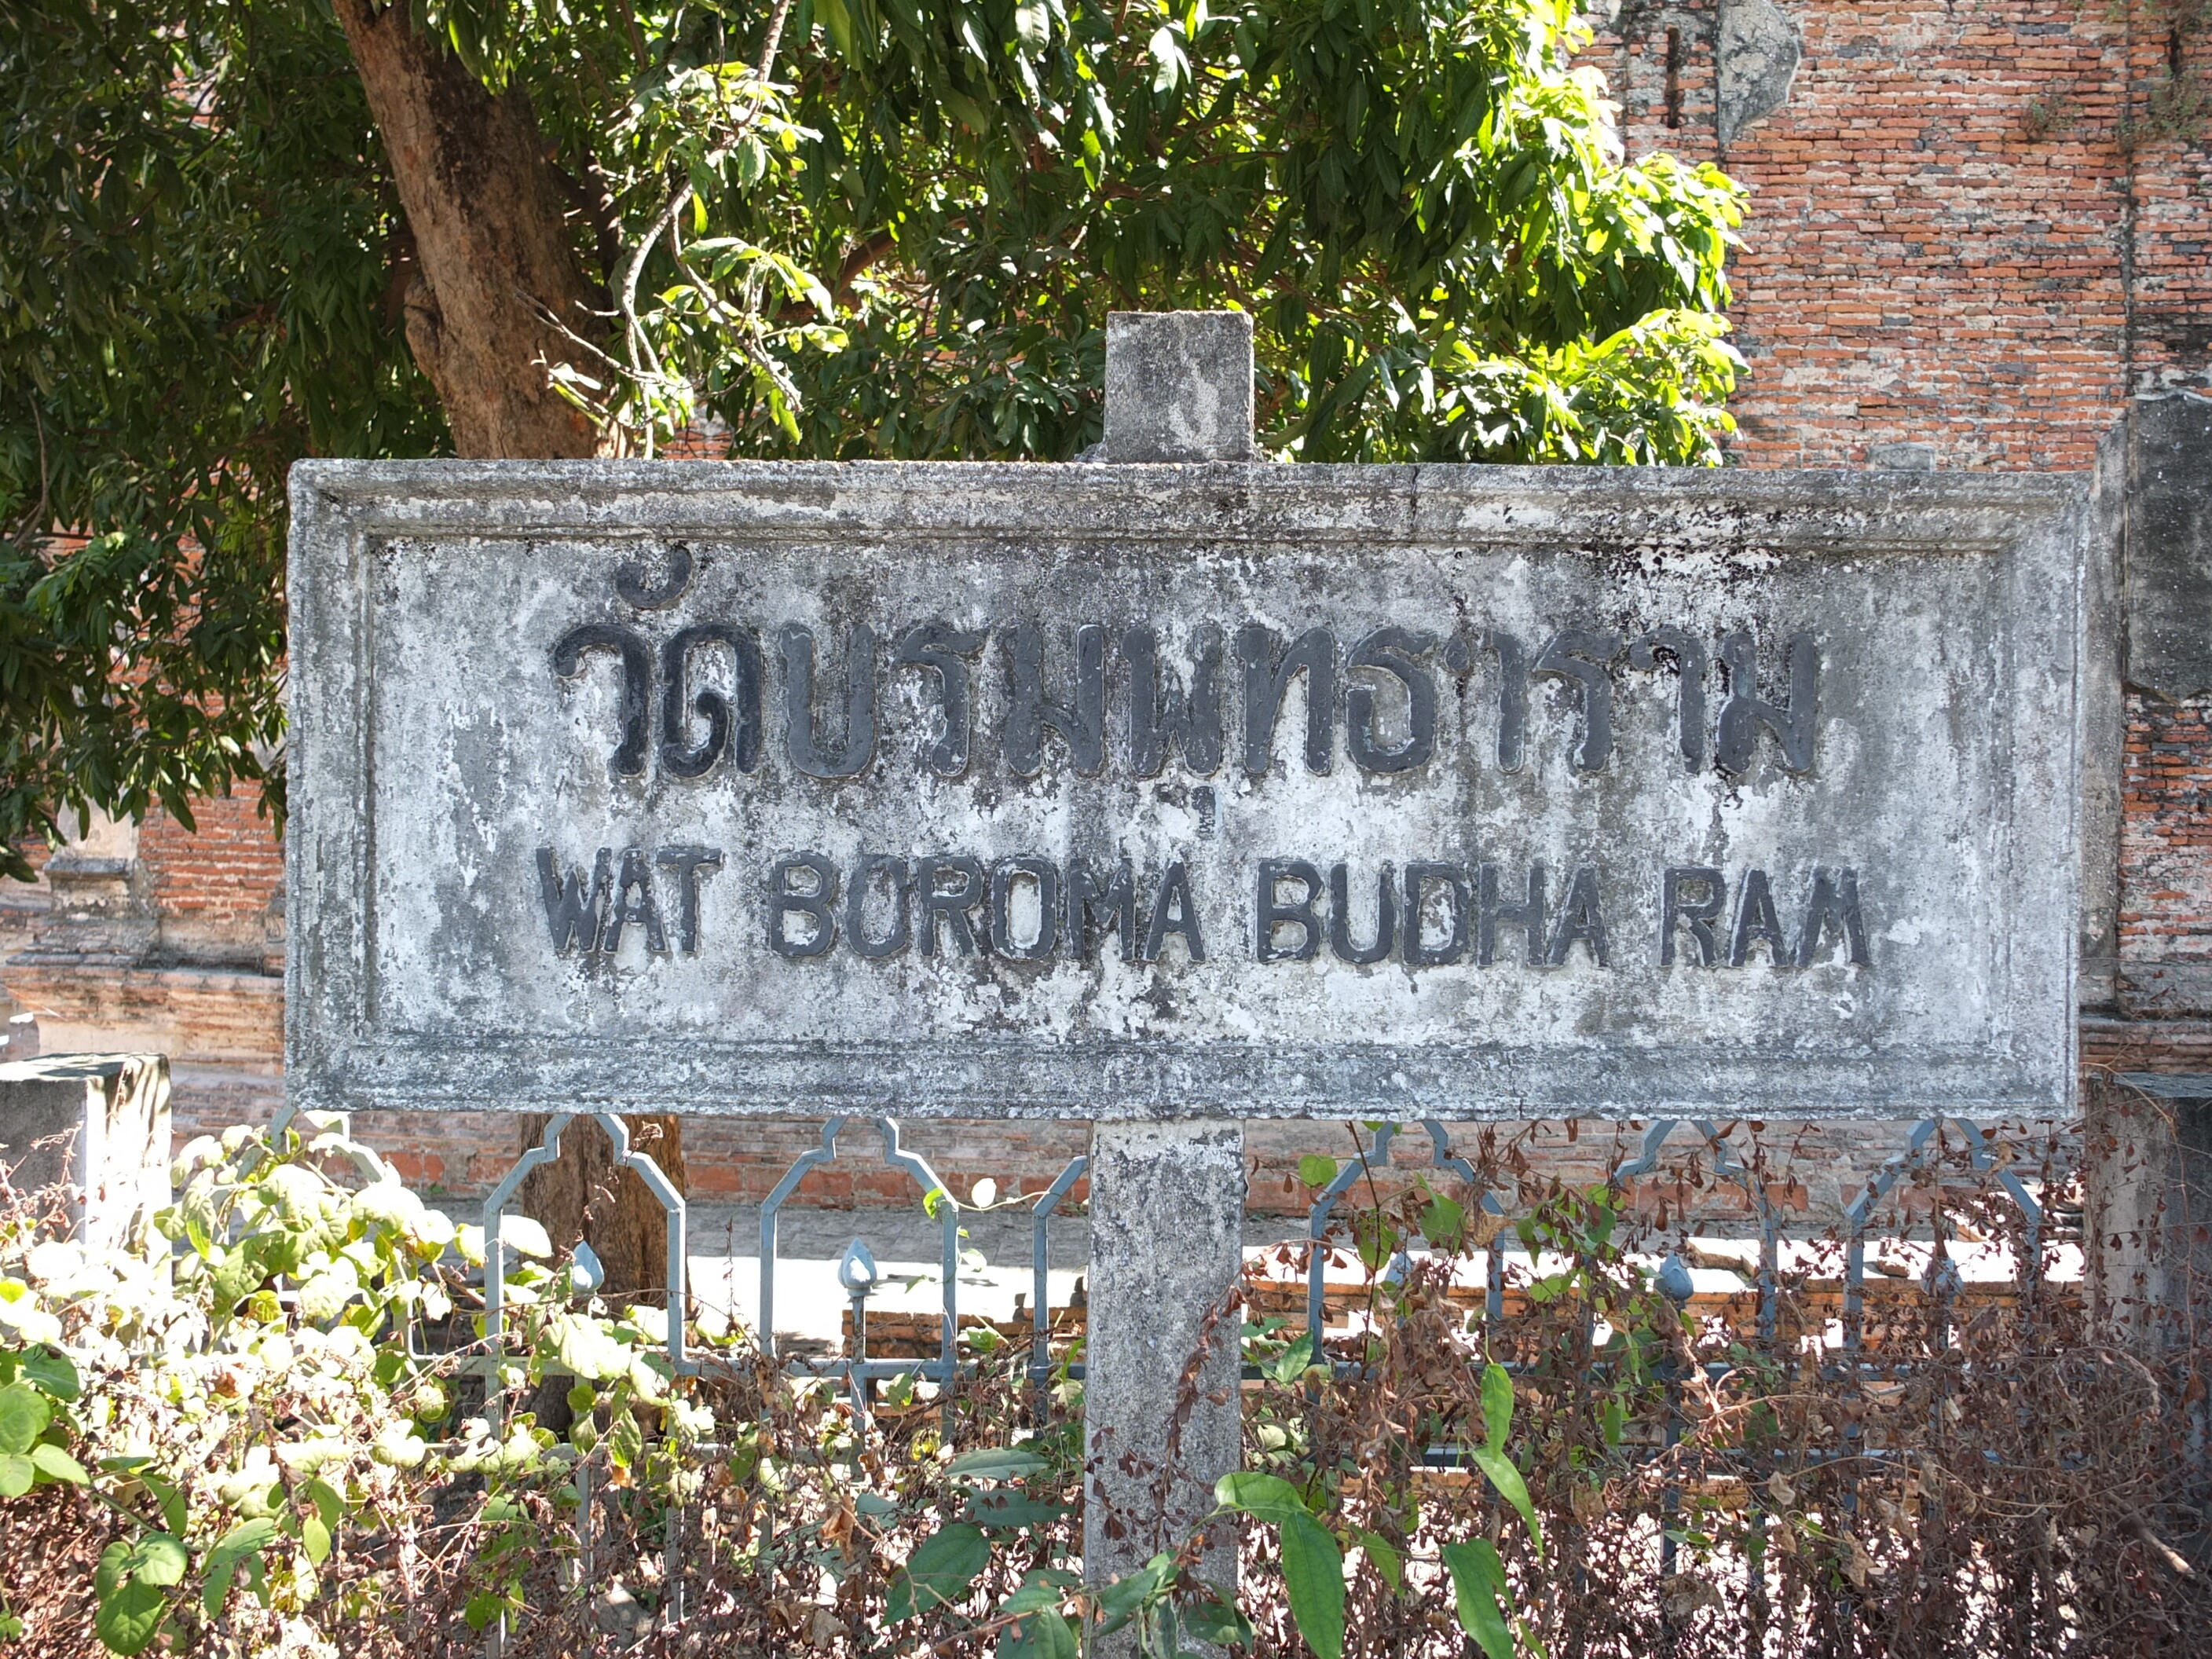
[1179, 387]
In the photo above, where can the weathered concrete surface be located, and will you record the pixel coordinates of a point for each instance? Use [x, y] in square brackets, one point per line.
[2104, 721]
[1902, 457]
[1179, 387]
[1161, 1419]
[2148, 1201]
[1758, 49]
[98, 1122]
[2169, 546]
[438, 748]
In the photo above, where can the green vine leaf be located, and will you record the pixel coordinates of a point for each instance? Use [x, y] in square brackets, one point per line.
[940, 1572]
[1479, 1589]
[1313, 1572]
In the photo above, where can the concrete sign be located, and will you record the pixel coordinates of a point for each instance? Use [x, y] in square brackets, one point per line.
[1150, 791]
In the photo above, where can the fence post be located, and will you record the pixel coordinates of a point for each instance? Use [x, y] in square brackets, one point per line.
[1167, 1200]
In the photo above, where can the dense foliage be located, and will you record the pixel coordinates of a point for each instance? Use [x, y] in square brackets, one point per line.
[193, 239]
[902, 243]
[263, 1426]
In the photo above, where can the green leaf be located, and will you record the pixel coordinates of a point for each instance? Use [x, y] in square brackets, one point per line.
[242, 1541]
[1038, 1635]
[128, 1619]
[315, 1538]
[940, 1572]
[995, 1463]
[55, 1464]
[1033, 25]
[24, 1415]
[1443, 1222]
[1380, 1550]
[159, 1558]
[1264, 1496]
[1043, 1588]
[330, 1507]
[52, 1373]
[1123, 1598]
[1317, 1169]
[1011, 1509]
[1478, 1587]
[1510, 1487]
[966, 111]
[1214, 1619]
[17, 1475]
[1313, 1572]
[1496, 1404]
[584, 1346]
[1292, 1362]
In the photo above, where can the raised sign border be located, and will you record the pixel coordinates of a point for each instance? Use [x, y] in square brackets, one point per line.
[336, 1059]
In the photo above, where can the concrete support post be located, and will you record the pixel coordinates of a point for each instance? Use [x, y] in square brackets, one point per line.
[2147, 1180]
[1162, 1420]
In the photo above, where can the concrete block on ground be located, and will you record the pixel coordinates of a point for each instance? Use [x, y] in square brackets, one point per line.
[98, 1123]
[2147, 1184]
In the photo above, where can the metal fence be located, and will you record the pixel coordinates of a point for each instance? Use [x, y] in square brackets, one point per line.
[1994, 1160]
[1987, 1154]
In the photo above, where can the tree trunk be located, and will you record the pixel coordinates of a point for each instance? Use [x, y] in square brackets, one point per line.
[588, 1195]
[498, 292]
[496, 262]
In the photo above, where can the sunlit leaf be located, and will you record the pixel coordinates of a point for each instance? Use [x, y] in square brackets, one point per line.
[1478, 1591]
[1313, 1573]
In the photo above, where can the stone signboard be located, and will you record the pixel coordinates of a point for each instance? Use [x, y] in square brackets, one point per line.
[1127, 790]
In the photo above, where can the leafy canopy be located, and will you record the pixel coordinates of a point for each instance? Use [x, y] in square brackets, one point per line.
[902, 243]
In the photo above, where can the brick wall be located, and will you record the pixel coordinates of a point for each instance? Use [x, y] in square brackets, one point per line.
[1965, 229]
[1969, 232]
[218, 886]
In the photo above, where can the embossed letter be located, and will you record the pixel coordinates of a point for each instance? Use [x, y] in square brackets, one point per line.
[1698, 914]
[1392, 650]
[946, 649]
[1746, 711]
[858, 747]
[1267, 677]
[1457, 902]
[734, 725]
[1755, 922]
[689, 864]
[1339, 917]
[571, 911]
[815, 905]
[1575, 654]
[1082, 723]
[1690, 697]
[1161, 714]
[1835, 903]
[1272, 913]
[636, 687]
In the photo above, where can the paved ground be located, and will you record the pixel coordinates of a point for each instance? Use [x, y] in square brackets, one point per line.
[726, 1255]
[725, 1262]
